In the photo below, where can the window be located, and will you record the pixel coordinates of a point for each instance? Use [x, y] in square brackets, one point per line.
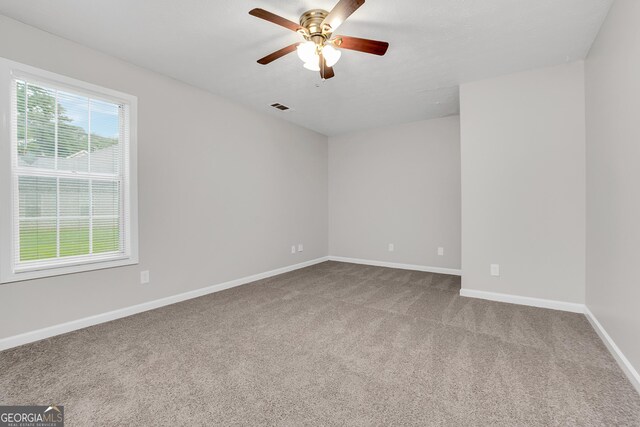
[70, 182]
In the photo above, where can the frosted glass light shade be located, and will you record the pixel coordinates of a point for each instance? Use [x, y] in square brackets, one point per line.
[312, 65]
[331, 55]
[307, 52]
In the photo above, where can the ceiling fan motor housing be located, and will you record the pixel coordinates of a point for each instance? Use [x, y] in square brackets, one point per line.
[312, 21]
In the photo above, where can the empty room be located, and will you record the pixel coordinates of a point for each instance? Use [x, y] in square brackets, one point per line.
[319, 212]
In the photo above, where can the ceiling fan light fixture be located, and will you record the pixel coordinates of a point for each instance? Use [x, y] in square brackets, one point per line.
[307, 52]
[312, 65]
[331, 55]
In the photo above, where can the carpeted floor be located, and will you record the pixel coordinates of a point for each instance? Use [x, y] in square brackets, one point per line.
[332, 344]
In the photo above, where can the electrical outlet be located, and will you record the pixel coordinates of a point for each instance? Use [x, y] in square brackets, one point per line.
[300, 247]
[392, 247]
[144, 277]
[293, 249]
[440, 251]
[495, 269]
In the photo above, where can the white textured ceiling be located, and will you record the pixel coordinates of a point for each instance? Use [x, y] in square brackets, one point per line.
[434, 46]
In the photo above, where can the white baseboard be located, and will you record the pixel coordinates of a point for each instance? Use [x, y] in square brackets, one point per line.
[515, 299]
[39, 334]
[441, 270]
[625, 365]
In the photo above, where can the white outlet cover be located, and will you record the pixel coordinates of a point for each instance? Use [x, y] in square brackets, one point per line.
[300, 247]
[392, 247]
[495, 269]
[144, 276]
[293, 249]
[440, 251]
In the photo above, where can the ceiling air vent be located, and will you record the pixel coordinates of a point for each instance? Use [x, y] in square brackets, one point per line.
[280, 106]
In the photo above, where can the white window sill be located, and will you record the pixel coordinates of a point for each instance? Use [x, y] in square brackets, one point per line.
[59, 270]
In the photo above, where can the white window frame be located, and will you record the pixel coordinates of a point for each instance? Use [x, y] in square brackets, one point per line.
[9, 272]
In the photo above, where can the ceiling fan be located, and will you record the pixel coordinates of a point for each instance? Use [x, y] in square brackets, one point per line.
[319, 51]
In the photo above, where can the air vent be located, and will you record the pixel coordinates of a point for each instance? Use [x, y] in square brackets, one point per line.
[280, 106]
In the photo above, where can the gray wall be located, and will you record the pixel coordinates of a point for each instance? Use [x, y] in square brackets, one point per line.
[223, 191]
[399, 185]
[523, 184]
[613, 177]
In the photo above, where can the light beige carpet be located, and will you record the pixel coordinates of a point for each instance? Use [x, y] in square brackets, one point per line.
[332, 344]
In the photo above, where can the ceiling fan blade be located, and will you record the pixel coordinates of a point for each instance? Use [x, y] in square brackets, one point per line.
[326, 72]
[341, 12]
[362, 45]
[277, 54]
[272, 17]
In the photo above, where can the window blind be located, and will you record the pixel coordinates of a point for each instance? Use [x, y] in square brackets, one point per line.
[70, 176]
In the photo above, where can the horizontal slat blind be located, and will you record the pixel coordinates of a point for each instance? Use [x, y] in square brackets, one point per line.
[69, 173]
